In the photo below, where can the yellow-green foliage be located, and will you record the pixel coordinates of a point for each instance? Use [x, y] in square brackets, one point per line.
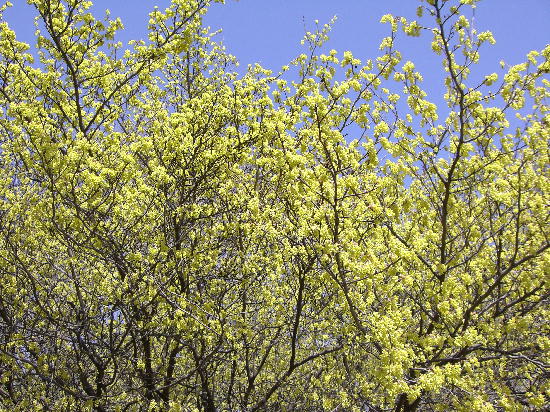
[174, 237]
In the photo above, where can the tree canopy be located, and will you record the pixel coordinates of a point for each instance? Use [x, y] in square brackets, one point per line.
[175, 236]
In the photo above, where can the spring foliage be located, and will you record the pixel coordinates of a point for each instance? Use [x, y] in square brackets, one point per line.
[175, 237]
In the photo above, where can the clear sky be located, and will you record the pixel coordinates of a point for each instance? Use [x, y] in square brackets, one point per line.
[269, 31]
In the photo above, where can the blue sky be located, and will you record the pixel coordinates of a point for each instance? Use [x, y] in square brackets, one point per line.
[269, 31]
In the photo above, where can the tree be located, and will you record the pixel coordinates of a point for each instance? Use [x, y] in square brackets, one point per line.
[176, 237]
